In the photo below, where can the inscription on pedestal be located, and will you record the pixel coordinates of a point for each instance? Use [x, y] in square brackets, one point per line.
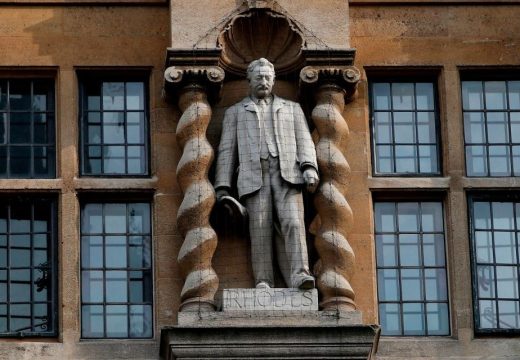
[269, 299]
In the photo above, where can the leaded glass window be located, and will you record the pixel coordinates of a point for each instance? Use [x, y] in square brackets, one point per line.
[491, 127]
[404, 128]
[27, 134]
[114, 132]
[411, 268]
[495, 238]
[116, 271]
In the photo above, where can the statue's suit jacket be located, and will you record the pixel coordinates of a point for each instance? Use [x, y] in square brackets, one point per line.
[241, 138]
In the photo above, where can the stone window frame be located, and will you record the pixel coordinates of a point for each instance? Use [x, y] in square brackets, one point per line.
[490, 196]
[47, 79]
[102, 75]
[407, 75]
[52, 264]
[418, 197]
[117, 198]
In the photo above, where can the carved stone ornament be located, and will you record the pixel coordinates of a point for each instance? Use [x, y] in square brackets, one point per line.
[260, 32]
[345, 77]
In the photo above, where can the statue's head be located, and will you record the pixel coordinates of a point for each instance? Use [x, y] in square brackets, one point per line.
[260, 74]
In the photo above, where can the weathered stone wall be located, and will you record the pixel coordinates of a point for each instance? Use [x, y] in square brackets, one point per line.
[62, 39]
[438, 40]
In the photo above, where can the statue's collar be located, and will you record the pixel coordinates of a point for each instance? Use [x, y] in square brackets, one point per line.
[250, 104]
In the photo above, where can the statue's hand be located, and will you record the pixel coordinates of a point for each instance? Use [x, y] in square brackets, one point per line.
[311, 178]
[220, 193]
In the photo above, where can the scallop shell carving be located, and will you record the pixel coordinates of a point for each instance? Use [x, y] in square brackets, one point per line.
[256, 34]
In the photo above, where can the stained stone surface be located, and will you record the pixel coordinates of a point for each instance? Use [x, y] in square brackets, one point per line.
[276, 299]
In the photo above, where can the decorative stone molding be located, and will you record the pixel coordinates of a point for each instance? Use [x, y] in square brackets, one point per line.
[194, 85]
[260, 32]
[331, 86]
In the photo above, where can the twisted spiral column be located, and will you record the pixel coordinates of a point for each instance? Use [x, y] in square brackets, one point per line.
[334, 215]
[200, 240]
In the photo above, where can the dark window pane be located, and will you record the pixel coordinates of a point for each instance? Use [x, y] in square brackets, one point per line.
[514, 94]
[431, 216]
[93, 96]
[115, 218]
[92, 219]
[139, 251]
[404, 128]
[403, 96]
[507, 282]
[20, 218]
[3, 128]
[476, 160]
[495, 95]
[114, 128]
[141, 324]
[408, 217]
[381, 94]
[425, 99]
[433, 250]
[20, 128]
[136, 160]
[516, 160]
[515, 126]
[411, 280]
[409, 250]
[43, 128]
[3, 94]
[92, 324]
[113, 96]
[115, 252]
[435, 285]
[20, 95]
[117, 321]
[472, 95]
[135, 96]
[505, 247]
[94, 134]
[116, 286]
[426, 127]
[386, 250]
[20, 161]
[94, 117]
[43, 100]
[509, 314]
[385, 214]
[114, 159]
[428, 162]
[135, 128]
[3, 161]
[384, 159]
[503, 215]
[43, 161]
[486, 281]
[413, 319]
[482, 215]
[139, 218]
[474, 128]
[390, 318]
[92, 252]
[487, 314]
[437, 319]
[497, 127]
[92, 286]
[388, 285]
[484, 246]
[405, 156]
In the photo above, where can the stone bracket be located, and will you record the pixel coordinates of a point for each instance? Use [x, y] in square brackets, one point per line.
[344, 77]
[188, 68]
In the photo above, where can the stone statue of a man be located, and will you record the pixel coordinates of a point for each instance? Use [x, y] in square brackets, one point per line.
[276, 156]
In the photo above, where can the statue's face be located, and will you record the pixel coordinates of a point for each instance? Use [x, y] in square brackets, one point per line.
[261, 81]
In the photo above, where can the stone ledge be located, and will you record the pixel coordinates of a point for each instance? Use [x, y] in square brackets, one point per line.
[269, 342]
[269, 318]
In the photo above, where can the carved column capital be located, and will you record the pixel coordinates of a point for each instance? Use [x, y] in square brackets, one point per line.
[210, 78]
[343, 77]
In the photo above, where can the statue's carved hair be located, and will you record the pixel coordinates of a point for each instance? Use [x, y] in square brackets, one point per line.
[259, 62]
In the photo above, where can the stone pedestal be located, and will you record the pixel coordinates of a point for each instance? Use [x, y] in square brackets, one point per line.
[271, 334]
[269, 300]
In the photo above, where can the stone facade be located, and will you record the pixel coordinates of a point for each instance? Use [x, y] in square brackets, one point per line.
[391, 38]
